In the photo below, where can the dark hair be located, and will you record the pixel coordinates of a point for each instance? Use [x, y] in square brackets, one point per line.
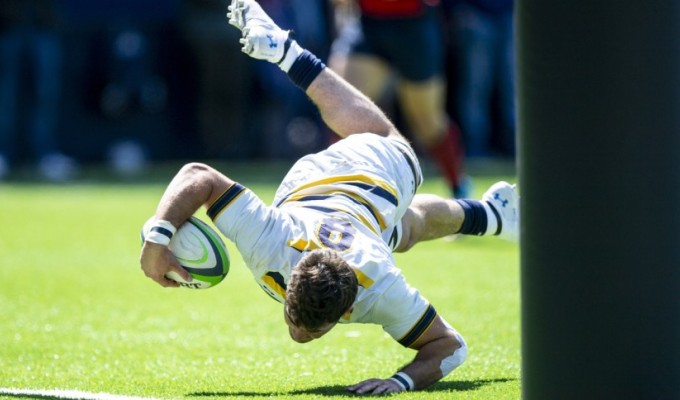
[322, 287]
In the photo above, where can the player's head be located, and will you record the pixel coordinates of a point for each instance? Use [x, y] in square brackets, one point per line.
[322, 287]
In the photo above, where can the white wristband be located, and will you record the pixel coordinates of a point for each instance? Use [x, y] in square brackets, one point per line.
[161, 232]
[403, 380]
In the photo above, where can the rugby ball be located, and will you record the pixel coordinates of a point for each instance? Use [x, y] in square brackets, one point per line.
[199, 250]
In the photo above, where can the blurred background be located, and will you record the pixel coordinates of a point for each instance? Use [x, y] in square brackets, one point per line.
[123, 84]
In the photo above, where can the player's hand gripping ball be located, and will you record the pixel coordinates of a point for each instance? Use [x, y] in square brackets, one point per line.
[200, 251]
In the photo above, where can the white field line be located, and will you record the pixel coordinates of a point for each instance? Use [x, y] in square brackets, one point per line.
[68, 394]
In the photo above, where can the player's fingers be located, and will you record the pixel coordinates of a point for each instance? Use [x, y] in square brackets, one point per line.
[236, 20]
[247, 46]
[384, 388]
[183, 273]
[235, 14]
[166, 282]
[356, 386]
[155, 275]
[365, 386]
[160, 278]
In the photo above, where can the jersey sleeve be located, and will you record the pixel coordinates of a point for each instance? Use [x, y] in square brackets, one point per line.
[246, 220]
[403, 312]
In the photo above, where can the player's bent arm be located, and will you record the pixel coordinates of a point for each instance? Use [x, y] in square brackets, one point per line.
[440, 351]
[194, 185]
[345, 109]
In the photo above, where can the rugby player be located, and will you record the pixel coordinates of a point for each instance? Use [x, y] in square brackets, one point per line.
[324, 247]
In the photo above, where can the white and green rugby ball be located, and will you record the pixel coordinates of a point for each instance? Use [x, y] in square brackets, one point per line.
[200, 251]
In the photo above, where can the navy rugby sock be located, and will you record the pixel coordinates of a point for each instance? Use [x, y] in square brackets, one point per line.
[479, 218]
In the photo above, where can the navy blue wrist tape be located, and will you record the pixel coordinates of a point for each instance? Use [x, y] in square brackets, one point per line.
[305, 69]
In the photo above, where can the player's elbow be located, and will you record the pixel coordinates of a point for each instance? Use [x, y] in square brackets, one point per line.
[456, 354]
[194, 170]
[203, 181]
[203, 175]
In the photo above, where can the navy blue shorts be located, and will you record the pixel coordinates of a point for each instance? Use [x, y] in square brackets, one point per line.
[414, 47]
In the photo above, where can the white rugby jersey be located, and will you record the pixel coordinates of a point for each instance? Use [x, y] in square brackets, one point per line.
[349, 198]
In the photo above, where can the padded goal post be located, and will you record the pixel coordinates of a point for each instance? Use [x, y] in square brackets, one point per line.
[599, 171]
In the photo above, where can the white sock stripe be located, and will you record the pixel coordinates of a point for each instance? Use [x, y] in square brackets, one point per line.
[494, 225]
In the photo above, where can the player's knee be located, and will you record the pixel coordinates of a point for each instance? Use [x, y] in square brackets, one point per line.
[412, 227]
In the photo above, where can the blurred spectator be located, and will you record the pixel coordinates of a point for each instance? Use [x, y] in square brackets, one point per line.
[401, 42]
[131, 83]
[31, 62]
[128, 35]
[482, 47]
[224, 88]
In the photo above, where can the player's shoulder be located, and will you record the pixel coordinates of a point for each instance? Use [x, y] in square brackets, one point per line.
[390, 137]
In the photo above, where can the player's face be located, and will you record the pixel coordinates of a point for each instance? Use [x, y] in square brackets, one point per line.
[303, 335]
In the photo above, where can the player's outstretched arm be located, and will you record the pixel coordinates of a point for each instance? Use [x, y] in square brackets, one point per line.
[344, 109]
[194, 185]
[440, 351]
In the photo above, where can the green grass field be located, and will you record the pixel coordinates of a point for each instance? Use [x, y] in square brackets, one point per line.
[77, 313]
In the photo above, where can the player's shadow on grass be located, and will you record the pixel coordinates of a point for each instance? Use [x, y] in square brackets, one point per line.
[339, 390]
